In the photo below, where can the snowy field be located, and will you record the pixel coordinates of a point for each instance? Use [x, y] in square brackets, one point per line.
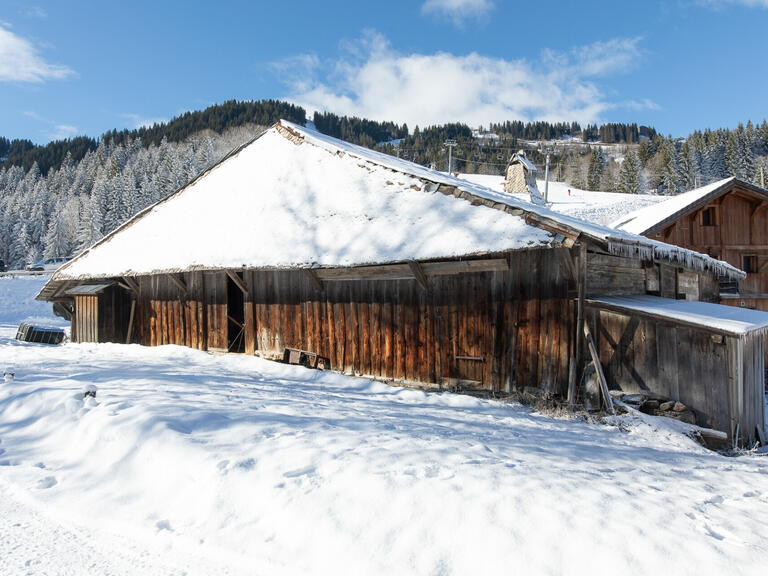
[189, 463]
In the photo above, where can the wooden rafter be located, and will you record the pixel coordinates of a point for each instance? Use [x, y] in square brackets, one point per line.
[312, 275]
[418, 272]
[132, 284]
[239, 282]
[178, 280]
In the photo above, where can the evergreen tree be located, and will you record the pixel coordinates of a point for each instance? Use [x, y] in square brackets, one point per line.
[629, 175]
[596, 167]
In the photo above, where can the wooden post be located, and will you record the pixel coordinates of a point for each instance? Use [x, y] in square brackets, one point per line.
[582, 281]
[129, 335]
[599, 368]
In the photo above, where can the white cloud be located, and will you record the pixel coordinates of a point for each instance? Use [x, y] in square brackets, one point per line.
[138, 121]
[62, 131]
[377, 82]
[458, 11]
[719, 4]
[20, 61]
[36, 12]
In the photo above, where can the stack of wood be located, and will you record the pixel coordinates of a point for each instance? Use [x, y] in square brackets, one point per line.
[656, 405]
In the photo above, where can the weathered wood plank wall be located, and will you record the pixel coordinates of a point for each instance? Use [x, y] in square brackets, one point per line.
[737, 226]
[709, 373]
[499, 329]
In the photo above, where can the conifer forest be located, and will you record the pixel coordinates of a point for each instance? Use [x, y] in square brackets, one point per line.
[60, 198]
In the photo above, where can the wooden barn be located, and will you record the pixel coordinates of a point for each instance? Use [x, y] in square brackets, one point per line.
[727, 220]
[388, 269]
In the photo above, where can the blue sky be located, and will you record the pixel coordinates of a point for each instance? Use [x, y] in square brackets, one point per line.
[70, 67]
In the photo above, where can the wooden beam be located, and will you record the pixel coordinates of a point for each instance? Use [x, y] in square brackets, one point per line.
[570, 265]
[383, 272]
[178, 280]
[599, 368]
[580, 326]
[418, 272]
[314, 278]
[132, 284]
[239, 282]
[570, 234]
[404, 271]
[465, 266]
[60, 290]
[129, 334]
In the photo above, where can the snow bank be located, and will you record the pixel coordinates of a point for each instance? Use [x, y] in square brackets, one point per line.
[186, 462]
[17, 303]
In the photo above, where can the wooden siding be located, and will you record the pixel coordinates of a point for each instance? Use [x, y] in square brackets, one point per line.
[500, 329]
[86, 329]
[720, 378]
[740, 228]
[101, 317]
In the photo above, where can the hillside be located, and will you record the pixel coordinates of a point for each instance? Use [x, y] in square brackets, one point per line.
[60, 198]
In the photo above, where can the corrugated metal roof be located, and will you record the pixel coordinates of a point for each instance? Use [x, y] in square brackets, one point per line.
[84, 289]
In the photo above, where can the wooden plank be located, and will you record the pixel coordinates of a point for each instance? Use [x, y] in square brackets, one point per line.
[314, 279]
[238, 281]
[129, 333]
[465, 266]
[599, 368]
[132, 284]
[405, 272]
[418, 273]
[582, 287]
[179, 282]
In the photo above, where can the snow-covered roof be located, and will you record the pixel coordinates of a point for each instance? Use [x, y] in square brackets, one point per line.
[645, 219]
[523, 159]
[296, 198]
[593, 206]
[728, 319]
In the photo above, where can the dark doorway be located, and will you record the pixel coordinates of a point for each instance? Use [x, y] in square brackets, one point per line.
[235, 318]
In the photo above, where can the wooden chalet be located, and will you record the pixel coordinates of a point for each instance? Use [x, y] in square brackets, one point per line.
[388, 269]
[727, 220]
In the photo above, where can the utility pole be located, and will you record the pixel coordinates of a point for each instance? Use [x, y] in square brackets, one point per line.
[546, 180]
[450, 145]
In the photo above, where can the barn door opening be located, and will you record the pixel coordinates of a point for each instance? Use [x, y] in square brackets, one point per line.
[235, 317]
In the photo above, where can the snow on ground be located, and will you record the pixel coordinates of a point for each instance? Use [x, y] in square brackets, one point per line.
[598, 207]
[190, 463]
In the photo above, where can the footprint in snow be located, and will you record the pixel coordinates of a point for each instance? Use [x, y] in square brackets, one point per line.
[712, 533]
[306, 470]
[47, 482]
[246, 465]
[163, 525]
